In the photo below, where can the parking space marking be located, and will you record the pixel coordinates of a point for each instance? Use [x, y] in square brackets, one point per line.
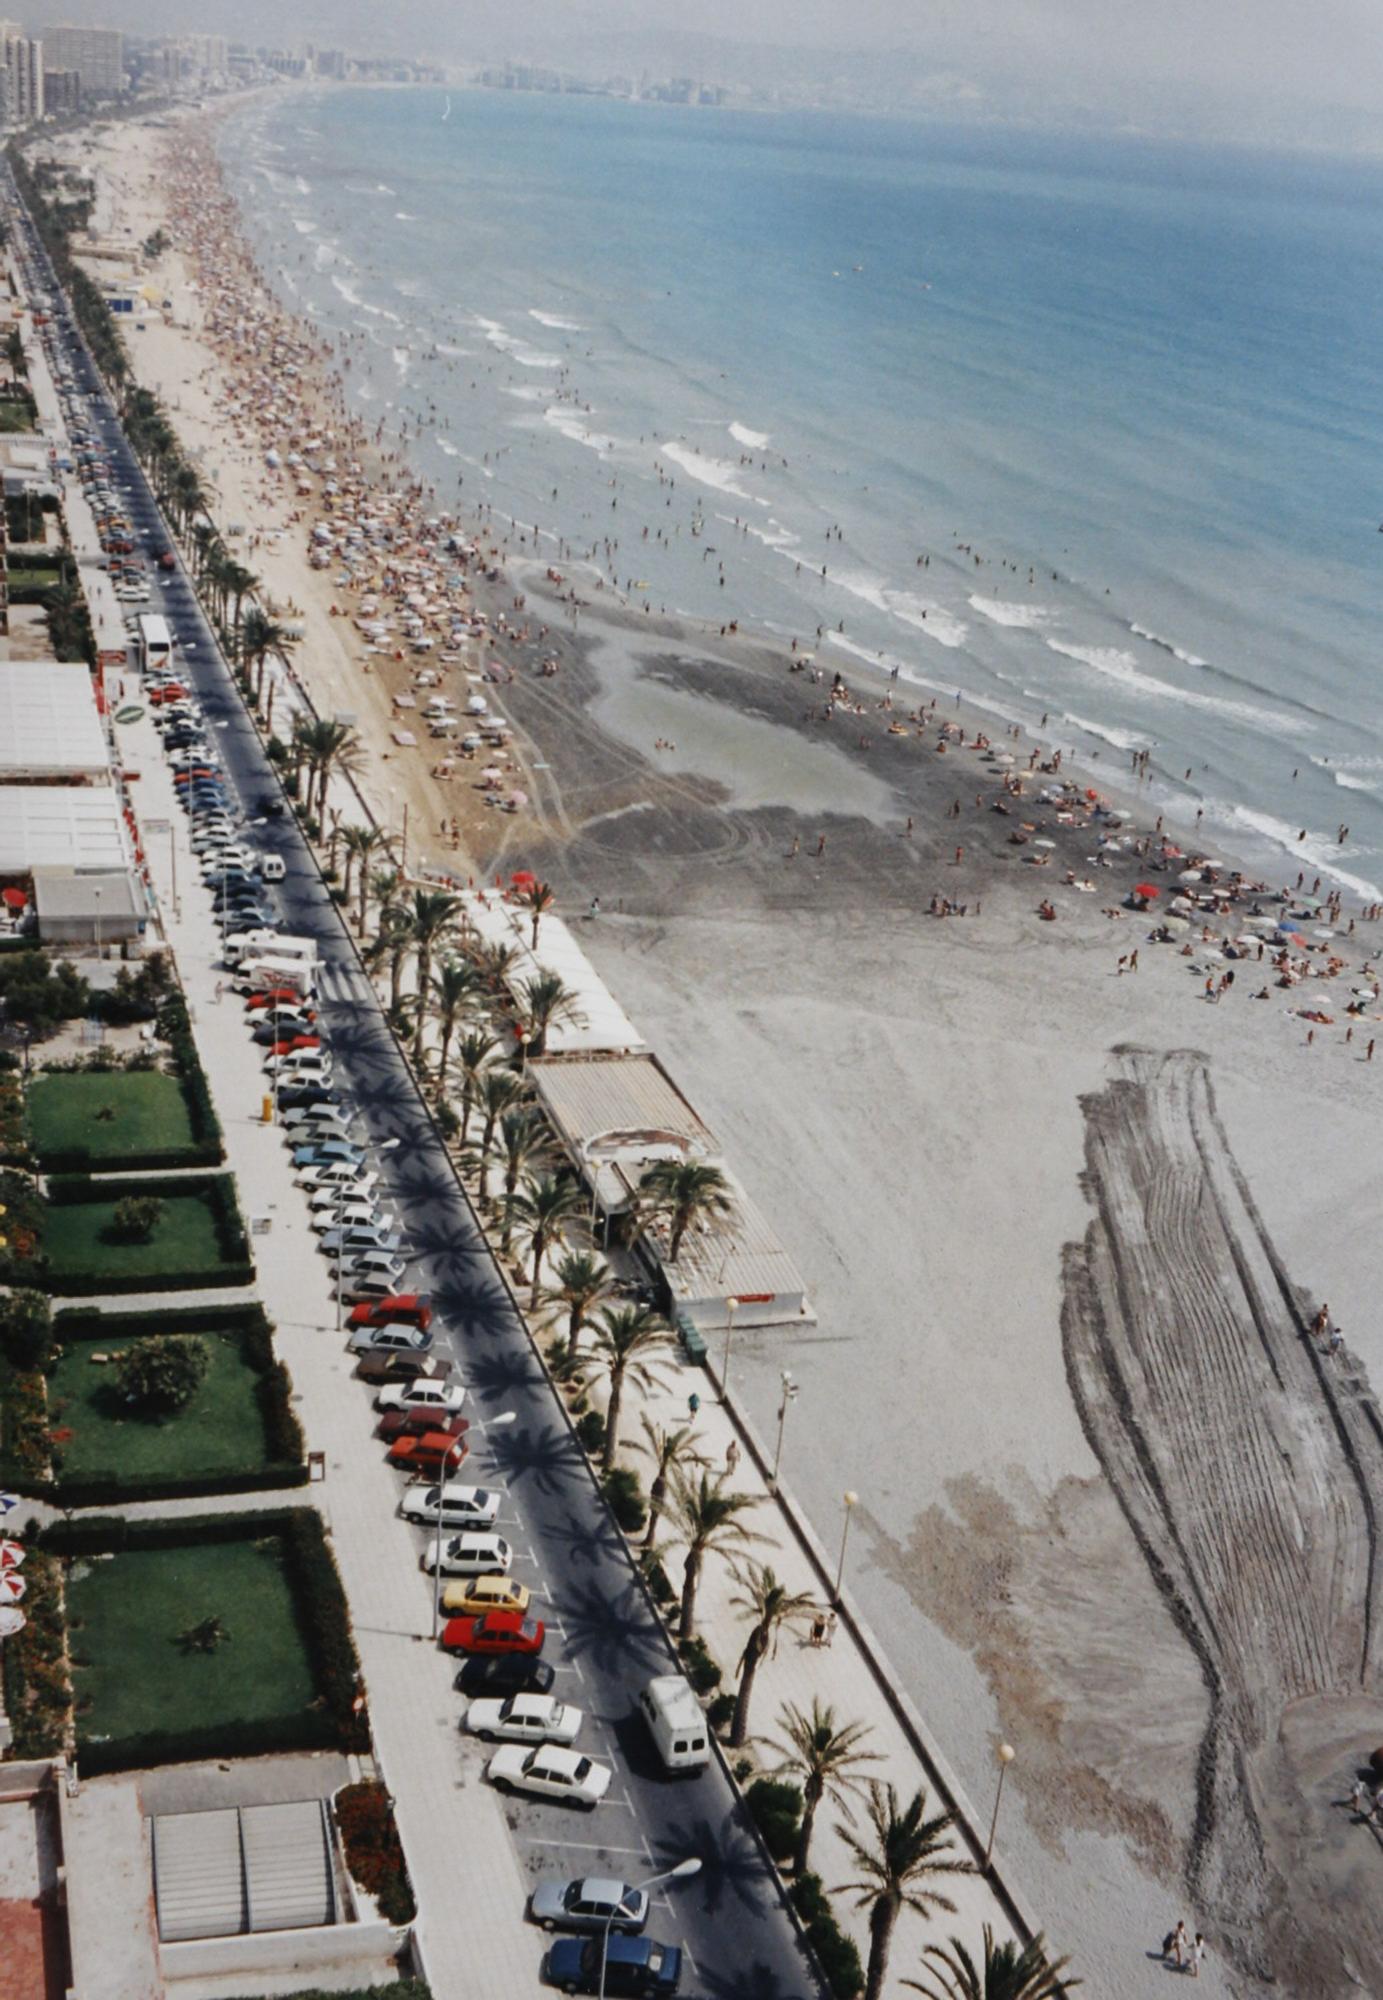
[586, 1846]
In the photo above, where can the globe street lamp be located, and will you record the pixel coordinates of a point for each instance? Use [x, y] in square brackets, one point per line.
[849, 1501]
[1004, 1756]
[789, 1396]
[495, 1424]
[731, 1308]
[683, 1872]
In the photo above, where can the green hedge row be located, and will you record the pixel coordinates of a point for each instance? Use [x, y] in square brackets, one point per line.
[38, 1695]
[335, 1721]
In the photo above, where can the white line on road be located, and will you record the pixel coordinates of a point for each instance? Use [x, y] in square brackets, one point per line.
[586, 1846]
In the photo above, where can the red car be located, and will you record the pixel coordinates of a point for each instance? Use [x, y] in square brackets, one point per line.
[413, 1308]
[169, 691]
[275, 996]
[496, 1632]
[420, 1423]
[293, 1042]
[434, 1452]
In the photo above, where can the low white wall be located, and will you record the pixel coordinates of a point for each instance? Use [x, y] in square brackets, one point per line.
[278, 1951]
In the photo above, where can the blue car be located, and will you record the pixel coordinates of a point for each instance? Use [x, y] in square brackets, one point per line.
[325, 1151]
[636, 1968]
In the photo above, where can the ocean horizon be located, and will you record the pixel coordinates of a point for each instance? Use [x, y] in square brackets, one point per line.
[1087, 429]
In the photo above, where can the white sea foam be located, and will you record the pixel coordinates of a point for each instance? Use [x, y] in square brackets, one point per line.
[346, 289]
[303, 187]
[751, 440]
[518, 350]
[921, 613]
[442, 348]
[1122, 739]
[525, 392]
[403, 360]
[1124, 669]
[444, 444]
[716, 472]
[571, 426]
[350, 293]
[1354, 774]
[402, 215]
[1319, 854]
[303, 227]
[1153, 639]
[1027, 617]
[382, 188]
[555, 321]
[774, 536]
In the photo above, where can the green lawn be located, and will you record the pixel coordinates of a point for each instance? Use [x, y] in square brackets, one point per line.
[132, 1676]
[78, 1237]
[221, 1430]
[112, 1117]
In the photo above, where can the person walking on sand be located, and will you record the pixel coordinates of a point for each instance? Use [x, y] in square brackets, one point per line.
[1175, 1946]
[820, 845]
[1197, 1957]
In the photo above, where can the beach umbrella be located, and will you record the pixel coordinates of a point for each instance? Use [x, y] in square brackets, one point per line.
[11, 1555]
[14, 899]
[1147, 890]
[1044, 843]
[12, 1620]
[12, 1586]
[8, 1503]
[1177, 924]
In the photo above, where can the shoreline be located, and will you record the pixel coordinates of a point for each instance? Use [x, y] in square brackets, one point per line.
[906, 1100]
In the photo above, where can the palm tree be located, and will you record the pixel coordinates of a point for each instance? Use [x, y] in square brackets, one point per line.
[1009, 1972]
[771, 1605]
[629, 1341]
[581, 1284]
[334, 747]
[391, 945]
[525, 1142]
[897, 1869]
[538, 899]
[543, 1205]
[825, 1756]
[453, 989]
[684, 1192]
[671, 1447]
[546, 1001]
[494, 962]
[239, 582]
[500, 1091]
[705, 1520]
[384, 886]
[473, 1053]
[360, 843]
[261, 635]
[432, 917]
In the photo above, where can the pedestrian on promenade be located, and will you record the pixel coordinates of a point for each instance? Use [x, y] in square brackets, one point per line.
[693, 1403]
[732, 1456]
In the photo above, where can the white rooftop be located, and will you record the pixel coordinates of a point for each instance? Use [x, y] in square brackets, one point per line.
[601, 1026]
[71, 827]
[49, 723]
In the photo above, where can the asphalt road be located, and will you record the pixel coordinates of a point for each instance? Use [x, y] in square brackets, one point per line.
[602, 1636]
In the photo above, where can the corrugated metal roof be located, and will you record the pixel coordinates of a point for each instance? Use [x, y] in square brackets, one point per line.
[588, 1096]
[603, 1025]
[243, 1868]
[49, 722]
[60, 826]
[735, 1256]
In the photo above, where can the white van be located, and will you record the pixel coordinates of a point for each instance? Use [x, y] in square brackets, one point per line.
[241, 945]
[273, 867]
[303, 949]
[676, 1722]
[301, 1066]
[261, 975]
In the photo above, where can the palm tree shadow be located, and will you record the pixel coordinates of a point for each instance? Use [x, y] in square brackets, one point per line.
[613, 1633]
[545, 1458]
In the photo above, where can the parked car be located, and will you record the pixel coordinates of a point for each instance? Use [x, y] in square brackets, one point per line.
[352, 1214]
[360, 1236]
[415, 1307]
[320, 1152]
[400, 1368]
[460, 1506]
[414, 1423]
[272, 996]
[524, 1718]
[380, 1265]
[634, 1968]
[588, 1903]
[434, 1452]
[423, 1392]
[297, 1096]
[476, 1595]
[402, 1340]
[495, 1632]
[550, 1772]
[503, 1673]
[276, 1028]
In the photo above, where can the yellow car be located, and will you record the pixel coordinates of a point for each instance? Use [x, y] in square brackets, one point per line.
[479, 1594]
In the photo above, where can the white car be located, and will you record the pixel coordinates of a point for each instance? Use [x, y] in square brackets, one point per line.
[325, 1200]
[550, 1772]
[421, 1394]
[461, 1506]
[525, 1718]
[351, 1215]
[481, 1554]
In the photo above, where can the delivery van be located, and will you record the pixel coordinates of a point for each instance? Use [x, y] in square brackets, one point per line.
[676, 1722]
[265, 975]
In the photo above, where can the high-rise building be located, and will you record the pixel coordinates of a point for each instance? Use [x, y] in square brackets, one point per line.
[23, 82]
[96, 54]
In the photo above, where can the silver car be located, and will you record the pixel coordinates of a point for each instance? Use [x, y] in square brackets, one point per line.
[585, 1904]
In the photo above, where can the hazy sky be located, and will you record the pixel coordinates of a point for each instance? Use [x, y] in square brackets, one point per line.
[1254, 53]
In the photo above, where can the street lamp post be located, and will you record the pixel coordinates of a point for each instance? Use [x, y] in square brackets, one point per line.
[96, 894]
[789, 1396]
[498, 1423]
[1004, 1756]
[731, 1307]
[849, 1501]
[683, 1872]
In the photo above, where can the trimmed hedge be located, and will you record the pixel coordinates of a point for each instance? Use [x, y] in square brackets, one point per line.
[374, 1853]
[337, 1720]
[38, 1694]
[236, 1267]
[775, 1806]
[836, 1953]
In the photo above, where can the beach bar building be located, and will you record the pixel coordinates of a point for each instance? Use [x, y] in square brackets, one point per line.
[617, 1114]
[50, 727]
[599, 1025]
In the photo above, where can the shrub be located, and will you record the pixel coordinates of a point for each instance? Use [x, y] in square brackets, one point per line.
[26, 1329]
[374, 1853]
[590, 1432]
[26, 1453]
[835, 1952]
[663, 1592]
[625, 1496]
[164, 1372]
[38, 1694]
[702, 1671]
[39, 995]
[136, 1217]
[721, 1714]
[776, 1809]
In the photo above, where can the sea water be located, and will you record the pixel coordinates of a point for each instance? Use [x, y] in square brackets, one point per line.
[1089, 430]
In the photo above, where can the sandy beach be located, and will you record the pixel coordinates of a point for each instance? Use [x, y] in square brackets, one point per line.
[1066, 1223]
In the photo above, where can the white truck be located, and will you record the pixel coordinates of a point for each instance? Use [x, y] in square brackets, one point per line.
[676, 1722]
